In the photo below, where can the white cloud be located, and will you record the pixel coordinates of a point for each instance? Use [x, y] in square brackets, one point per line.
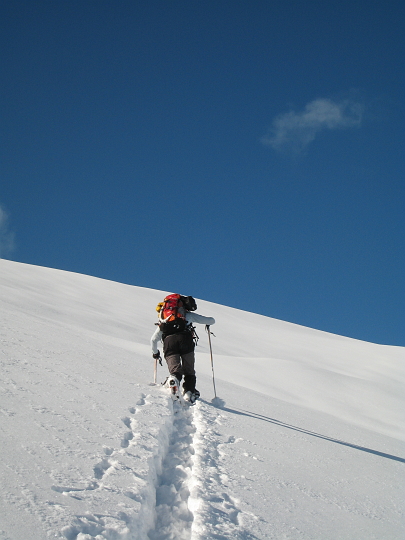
[294, 131]
[6, 236]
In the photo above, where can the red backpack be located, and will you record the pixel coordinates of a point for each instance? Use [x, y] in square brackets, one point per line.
[172, 319]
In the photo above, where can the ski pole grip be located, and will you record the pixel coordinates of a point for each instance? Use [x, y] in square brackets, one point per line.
[208, 328]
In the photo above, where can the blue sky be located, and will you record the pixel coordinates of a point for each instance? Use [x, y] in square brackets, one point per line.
[248, 153]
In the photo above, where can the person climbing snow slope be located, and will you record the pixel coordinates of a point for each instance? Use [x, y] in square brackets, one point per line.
[175, 329]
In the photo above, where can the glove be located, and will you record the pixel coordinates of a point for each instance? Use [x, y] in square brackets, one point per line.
[157, 356]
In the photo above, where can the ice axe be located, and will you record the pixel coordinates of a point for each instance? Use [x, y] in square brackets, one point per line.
[157, 359]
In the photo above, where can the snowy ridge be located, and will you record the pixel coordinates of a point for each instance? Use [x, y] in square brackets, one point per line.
[306, 442]
[216, 511]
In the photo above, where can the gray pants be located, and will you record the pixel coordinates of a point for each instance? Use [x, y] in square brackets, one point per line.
[179, 354]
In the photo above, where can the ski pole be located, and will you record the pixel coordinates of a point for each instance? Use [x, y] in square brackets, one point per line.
[212, 360]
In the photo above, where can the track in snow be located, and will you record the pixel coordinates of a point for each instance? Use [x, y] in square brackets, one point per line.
[192, 499]
[217, 515]
[164, 474]
[173, 517]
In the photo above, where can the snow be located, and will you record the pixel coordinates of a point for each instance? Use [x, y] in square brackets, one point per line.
[305, 440]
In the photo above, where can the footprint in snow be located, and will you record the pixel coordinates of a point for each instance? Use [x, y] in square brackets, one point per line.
[127, 437]
[101, 468]
[126, 421]
[62, 489]
[141, 400]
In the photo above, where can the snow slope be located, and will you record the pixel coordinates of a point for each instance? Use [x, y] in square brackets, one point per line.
[308, 443]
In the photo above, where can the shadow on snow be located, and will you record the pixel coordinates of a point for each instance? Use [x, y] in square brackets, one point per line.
[312, 433]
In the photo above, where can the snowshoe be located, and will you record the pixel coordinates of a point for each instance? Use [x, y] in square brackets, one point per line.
[173, 384]
[191, 397]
